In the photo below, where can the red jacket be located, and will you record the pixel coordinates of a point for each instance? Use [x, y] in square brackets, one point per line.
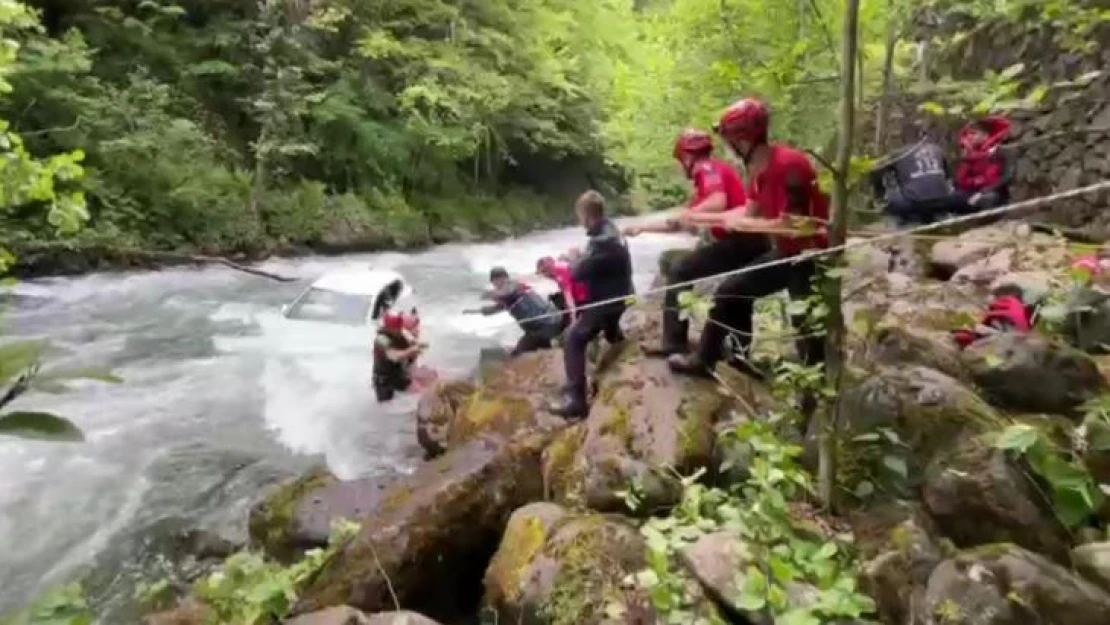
[1006, 313]
[982, 167]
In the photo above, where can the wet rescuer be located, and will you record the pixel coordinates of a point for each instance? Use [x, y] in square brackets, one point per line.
[717, 190]
[538, 318]
[395, 352]
[784, 195]
[605, 268]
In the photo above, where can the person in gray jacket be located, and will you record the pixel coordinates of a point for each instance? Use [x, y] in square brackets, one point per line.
[538, 318]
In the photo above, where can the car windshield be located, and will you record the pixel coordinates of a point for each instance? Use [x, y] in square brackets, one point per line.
[331, 306]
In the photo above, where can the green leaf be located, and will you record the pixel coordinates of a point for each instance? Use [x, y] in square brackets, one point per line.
[19, 356]
[40, 426]
[798, 616]
[896, 465]
[753, 593]
[1019, 437]
[864, 489]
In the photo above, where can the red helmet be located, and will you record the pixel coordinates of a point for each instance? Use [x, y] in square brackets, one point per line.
[410, 321]
[692, 141]
[746, 120]
[393, 320]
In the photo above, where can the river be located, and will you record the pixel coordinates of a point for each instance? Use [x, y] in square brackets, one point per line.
[221, 397]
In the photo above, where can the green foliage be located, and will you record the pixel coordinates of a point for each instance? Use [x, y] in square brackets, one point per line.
[251, 590]
[62, 606]
[1075, 494]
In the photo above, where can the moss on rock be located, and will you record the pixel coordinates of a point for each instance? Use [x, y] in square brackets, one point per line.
[271, 521]
[561, 469]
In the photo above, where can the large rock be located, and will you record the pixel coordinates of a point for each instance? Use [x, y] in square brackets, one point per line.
[977, 495]
[719, 561]
[1007, 585]
[897, 575]
[645, 424]
[927, 410]
[558, 568]
[1013, 244]
[431, 532]
[288, 521]
[338, 615]
[1093, 562]
[986, 270]
[436, 412]
[401, 617]
[507, 400]
[898, 344]
[1086, 323]
[1030, 373]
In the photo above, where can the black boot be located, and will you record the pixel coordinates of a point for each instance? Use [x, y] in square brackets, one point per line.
[676, 331]
[573, 406]
[691, 365]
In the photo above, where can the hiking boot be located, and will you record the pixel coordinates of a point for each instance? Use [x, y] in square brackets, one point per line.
[572, 408]
[691, 365]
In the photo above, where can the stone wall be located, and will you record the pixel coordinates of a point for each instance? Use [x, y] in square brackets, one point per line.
[1055, 147]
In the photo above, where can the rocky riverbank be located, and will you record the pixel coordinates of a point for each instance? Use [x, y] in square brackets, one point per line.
[972, 479]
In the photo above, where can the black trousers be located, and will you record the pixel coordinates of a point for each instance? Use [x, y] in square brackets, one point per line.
[958, 203]
[533, 341]
[734, 307]
[727, 254]
[590, 323]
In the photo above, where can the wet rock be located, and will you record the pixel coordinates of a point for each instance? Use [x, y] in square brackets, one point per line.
[1093, 562]
[985, 270]
[1086, 323]
[897, 344]
[339, 615]
[926, 409]
[1007, 585]
[644, 424]
[1030, 373]
[977, 495]
[436, 411]
[403, 617]
[896, 577]
[204, 544]
[718, 561]
[276, 523]
[432, 530]
[558, 568]
[188, 612]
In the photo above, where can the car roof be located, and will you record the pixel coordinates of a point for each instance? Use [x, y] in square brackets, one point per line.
[358, 281]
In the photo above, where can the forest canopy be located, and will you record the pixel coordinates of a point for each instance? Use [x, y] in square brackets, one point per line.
[254, 126]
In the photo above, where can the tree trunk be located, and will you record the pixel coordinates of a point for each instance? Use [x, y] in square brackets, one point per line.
[883, 114]
[834, 364]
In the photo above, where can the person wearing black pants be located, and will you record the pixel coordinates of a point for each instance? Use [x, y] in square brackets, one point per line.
[717, 190]
[606, 270]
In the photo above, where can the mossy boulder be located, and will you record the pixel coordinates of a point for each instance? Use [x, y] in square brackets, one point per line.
[898, 344]
[978, 495]
[436, 412]
[1032, 373]
[645, 424]
[900, 561]
[277, 525]
[927, 410]
[558, 568]
[507, 400]
[1004, 584]
[433, 532]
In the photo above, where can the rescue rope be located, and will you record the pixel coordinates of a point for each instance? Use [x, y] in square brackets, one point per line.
[811, 255]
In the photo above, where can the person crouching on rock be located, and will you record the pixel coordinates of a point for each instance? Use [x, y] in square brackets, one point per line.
[983, 173]
[538, 318]
[395, 352]
[570, 292]
[605, 268]
[718, 190]
[782, 189]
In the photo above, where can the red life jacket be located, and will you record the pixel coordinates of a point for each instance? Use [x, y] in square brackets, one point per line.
[1006, 313]
[980, 166]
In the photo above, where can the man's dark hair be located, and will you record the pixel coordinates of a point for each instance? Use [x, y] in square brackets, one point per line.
[982, 125]
[592, 204]
[498, 272]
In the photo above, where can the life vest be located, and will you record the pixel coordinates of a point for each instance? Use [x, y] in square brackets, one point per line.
[1007, 313]
[981, 166]
[388, 373]
[525, 305]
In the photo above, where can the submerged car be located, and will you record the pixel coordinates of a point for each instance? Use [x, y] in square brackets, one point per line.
[351, 297]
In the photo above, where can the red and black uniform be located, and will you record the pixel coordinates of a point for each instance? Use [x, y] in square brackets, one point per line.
[983, 168]
[787, 184]
[391, 376]
[725, 251]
